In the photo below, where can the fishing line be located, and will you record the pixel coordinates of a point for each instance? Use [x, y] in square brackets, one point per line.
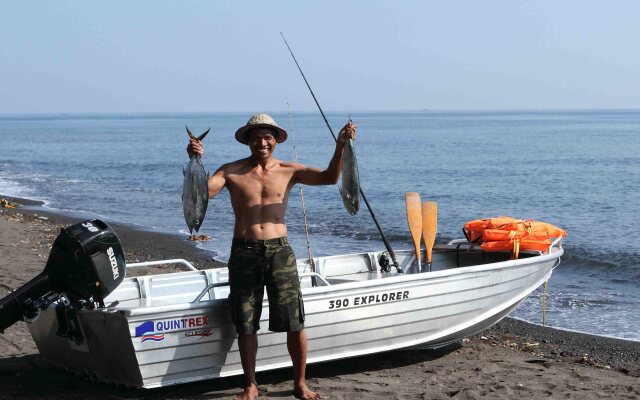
[304, 210]
[543, 303]
[384, 238]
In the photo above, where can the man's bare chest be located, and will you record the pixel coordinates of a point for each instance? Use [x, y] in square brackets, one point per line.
[259, 187]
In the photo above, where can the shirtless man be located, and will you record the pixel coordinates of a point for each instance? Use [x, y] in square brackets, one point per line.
[259, 186]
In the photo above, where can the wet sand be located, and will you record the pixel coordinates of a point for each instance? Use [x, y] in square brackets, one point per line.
[513, 359]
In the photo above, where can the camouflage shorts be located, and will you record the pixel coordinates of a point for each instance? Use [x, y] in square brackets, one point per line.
[255, 264]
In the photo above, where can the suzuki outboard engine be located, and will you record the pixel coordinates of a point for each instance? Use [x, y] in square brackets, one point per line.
[86, 263]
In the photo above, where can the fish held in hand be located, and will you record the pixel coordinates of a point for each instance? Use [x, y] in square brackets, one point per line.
[350, 190]
[195, 194]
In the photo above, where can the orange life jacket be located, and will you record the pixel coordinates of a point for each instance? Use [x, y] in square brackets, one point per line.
[510, 234]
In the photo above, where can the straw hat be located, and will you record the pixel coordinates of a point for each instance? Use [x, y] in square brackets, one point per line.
[260, 121]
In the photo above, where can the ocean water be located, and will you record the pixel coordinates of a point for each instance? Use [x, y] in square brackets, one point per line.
[579, 170]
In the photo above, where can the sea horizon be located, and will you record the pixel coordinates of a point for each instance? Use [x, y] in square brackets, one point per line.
[315, 110]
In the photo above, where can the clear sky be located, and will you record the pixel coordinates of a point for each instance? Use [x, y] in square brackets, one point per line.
[162, 56]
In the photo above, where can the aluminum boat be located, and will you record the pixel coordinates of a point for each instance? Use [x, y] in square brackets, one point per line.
[173, 328]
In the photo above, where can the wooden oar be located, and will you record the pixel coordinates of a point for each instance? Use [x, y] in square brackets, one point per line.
[414, 216]
[429, 227]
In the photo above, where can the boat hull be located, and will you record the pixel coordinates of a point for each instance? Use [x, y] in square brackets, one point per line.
[154, 337]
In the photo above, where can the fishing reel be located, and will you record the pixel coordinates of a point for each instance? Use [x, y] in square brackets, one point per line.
[385, 263]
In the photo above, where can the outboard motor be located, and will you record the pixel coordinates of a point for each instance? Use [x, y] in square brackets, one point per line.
[86, 263]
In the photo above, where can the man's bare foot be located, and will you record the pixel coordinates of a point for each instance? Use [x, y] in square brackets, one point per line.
[250, 392]
[304, 393]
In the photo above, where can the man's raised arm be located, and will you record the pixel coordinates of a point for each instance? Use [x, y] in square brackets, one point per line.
[330, 176]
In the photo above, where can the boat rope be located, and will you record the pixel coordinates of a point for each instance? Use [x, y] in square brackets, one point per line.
[516, 249]
[304, 210]
[543, 302]
[375, 221]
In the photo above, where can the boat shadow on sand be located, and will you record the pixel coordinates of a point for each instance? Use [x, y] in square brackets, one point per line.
[31, 377]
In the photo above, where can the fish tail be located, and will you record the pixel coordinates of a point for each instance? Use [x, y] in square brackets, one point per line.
[199, 137]
[204, 134]
[189, 133]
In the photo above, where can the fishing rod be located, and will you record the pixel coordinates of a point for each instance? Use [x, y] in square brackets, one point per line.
[384, 238]
[304, 210]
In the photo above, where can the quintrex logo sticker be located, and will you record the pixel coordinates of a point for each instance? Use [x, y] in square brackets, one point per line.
[146, 331]
[152, 330]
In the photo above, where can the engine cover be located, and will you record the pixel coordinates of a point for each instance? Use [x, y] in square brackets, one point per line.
[86, 260]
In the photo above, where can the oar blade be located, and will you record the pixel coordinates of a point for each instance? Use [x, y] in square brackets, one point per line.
[429, 226]
[414, 217]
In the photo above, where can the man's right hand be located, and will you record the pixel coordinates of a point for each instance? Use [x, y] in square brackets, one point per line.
[347, 132]
[195, 147]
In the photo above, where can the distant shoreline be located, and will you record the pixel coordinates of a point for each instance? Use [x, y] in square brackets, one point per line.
[164, 243]
[32, 206]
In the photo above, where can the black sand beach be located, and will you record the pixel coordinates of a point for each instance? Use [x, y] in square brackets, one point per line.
[513, 359]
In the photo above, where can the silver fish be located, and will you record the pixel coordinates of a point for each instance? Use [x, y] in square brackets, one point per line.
[195, 195]
[350, 190]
